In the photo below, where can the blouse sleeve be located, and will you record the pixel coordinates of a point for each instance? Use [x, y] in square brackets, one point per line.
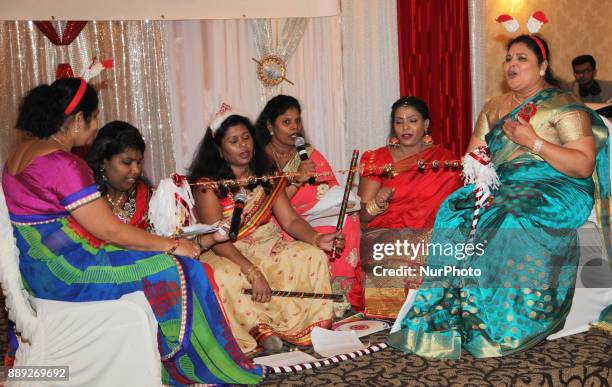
[73, 182]
[368, 164]
[573, 125]
[482, 124]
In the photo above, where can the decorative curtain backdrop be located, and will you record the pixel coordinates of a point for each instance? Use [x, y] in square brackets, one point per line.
[282, 46]
[135, 90]
[370, 70]
[434, 58]
[210, 63]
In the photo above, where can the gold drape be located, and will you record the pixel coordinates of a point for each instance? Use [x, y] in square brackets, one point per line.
[135, 90]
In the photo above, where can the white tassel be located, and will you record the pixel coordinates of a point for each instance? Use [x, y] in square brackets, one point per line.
[478, 170]
[171, 206]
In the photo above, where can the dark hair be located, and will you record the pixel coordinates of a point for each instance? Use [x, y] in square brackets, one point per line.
[274, 108]
[41, 112]
[582, 59]
[207, 161]
[416, 103]
[530, 42]
[113, 138]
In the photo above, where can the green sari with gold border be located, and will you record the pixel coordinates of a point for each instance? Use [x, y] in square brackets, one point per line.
[529, 242]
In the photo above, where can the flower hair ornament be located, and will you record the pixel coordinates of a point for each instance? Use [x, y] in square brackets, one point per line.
[224, 112]
[534, 24]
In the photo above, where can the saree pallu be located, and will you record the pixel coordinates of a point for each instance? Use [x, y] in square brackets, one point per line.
[408, 220]
[528, 251]
[389, 278]
[287, 265]
[347, 263]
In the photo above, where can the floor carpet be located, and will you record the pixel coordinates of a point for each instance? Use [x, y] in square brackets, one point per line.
[580, 360]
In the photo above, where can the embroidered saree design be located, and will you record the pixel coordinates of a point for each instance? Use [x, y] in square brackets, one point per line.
[293, 266]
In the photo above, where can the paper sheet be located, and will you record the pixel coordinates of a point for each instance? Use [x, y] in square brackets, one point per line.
[331, 343]
[284, 359]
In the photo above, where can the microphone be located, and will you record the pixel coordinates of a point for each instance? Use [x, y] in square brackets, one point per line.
[300, 144]
[239, 201]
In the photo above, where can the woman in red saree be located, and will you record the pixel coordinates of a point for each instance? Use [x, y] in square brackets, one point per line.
[401, 206]
[279, 123]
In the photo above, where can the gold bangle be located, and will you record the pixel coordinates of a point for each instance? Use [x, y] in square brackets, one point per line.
[374, 209]
[317, 239]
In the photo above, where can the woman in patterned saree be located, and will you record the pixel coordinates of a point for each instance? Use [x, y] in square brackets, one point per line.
[260, 258]
[401, 207]
[279, 123]
[116, 158]
[73, 248]
[545, 146]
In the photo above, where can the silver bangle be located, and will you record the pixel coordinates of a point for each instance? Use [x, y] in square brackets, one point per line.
[537, 146]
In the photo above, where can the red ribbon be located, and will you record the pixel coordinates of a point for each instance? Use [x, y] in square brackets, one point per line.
[477, 156]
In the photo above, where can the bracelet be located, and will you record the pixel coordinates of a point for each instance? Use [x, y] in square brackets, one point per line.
[537, 146]
[253, 271]
[172, 249]
[317, 239]
[374, 209]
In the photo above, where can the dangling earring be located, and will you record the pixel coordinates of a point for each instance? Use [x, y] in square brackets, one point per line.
[427, 139]
[394, 142]
[271, 133]
[104, 179]
[542, 72]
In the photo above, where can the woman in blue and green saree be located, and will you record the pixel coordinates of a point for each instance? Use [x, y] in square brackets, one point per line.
[73, 248]
[516, 285]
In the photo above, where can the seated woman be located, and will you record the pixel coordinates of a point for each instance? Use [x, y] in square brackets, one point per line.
[116, 158]
[401, 207]
[278, 125]
[545, 145]
[73, 248]
[260, 259]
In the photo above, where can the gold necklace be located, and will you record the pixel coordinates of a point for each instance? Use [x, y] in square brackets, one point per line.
[63, 144]
[518, 101]
[114, 204]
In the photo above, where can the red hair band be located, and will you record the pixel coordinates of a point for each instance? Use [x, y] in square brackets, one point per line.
[539, 43]
[77, 98]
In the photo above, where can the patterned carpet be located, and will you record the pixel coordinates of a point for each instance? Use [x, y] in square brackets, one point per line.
[579, 360]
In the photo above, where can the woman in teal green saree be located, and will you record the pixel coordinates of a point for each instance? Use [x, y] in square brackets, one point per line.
[551, 155]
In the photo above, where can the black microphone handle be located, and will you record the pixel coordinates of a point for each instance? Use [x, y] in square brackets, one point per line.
[304, 157]
[235, 223]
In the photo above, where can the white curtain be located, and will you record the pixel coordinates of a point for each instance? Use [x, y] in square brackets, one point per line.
[371, 70]
[210, 63]
[477, 55]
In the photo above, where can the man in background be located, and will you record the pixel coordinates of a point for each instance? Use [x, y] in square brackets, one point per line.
[585, 86]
